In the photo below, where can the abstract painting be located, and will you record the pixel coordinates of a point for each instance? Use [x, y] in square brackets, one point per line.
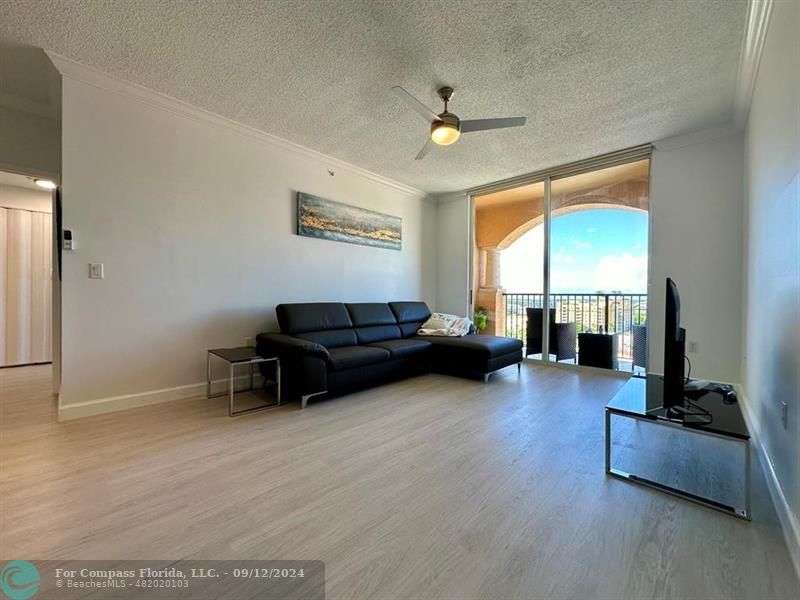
[321, 218]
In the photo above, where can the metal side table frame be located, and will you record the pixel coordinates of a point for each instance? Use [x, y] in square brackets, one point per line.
[229, 355]
[741, 513]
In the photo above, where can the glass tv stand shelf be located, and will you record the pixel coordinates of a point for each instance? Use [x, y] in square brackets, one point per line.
[641, 399]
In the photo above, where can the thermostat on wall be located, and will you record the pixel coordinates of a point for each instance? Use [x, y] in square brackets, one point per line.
[68, 244]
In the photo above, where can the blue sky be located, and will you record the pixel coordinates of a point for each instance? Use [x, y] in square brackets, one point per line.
[601, 249]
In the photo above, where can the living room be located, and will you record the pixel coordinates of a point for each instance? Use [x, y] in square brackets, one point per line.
[183, 139]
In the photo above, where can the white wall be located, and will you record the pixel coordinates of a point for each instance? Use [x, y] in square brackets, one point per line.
[771, 359]
[29, 144]
[12, 196]
[696, 202]
[452, 252]
[194, 222]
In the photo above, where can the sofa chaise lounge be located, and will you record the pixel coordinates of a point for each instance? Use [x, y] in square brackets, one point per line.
[330, 347]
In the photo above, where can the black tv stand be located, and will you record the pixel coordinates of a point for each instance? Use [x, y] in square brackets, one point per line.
[642, 399]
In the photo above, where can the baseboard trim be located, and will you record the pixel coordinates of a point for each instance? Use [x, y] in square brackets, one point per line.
[31, 364]
[101, 406]
[789, 523]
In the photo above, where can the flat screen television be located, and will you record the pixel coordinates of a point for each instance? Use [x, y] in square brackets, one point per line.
[674, 349]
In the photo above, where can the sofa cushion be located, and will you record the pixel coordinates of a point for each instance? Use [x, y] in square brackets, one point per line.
[407, 312]
[334, 338]
[350, 357]
[410, 316]
[312, 316]
[364, 314]
[403, 348]
[487, 346]
[409, 329]
[378, 333]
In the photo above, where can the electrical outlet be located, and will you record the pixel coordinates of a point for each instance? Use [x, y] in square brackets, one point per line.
[785, 415]
[691, 347]
[248, 341]
[96, 271]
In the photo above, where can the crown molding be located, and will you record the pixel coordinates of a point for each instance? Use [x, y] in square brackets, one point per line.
[94, 77]
[448, 197]
[755, 33]
[697, 137]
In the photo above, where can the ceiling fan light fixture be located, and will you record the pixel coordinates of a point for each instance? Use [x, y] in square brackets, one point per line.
[444, 133]
[446, 127]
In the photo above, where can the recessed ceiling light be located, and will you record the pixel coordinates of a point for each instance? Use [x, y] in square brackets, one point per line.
[45, 183]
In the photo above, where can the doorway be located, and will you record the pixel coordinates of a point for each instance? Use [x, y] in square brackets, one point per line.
[26, 271]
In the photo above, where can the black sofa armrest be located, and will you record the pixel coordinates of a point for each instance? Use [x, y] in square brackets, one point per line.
[281, 345]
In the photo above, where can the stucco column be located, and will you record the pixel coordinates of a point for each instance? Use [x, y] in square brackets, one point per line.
[492, 268]
[490, 292]
[481, 268]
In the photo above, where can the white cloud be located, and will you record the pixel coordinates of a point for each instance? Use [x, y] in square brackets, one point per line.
[581, 244]
[563, 258]
[521, 269]
[521, 264]
[627, 272]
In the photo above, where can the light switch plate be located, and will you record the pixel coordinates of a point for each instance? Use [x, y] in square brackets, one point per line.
[96, 271]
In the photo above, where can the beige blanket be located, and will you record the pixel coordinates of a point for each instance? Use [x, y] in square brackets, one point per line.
[445, 325]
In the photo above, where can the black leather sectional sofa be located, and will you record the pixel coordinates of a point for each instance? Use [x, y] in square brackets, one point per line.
[334, 347]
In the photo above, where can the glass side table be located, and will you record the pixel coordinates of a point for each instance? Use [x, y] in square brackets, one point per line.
[236, 357]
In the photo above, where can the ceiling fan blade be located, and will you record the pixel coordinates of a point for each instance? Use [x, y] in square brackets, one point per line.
[416, 105]
[425, 149]
[484, 124]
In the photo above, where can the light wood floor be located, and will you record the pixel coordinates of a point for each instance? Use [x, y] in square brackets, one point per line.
[435, 487]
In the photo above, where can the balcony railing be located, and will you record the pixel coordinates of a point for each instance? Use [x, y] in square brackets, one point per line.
[595, 312]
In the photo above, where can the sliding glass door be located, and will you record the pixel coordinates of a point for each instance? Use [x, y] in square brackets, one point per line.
[576, 243]
[598, 263]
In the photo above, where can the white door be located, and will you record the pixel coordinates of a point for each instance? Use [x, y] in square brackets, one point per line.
[25, 287]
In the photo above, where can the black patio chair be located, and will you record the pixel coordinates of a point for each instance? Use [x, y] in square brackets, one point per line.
[563, 336]
[639, 346]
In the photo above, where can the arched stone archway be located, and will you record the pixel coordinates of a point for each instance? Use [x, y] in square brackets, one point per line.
[521, 230]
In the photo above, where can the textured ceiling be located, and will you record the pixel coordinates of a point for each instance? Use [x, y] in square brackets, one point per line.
[591, 75]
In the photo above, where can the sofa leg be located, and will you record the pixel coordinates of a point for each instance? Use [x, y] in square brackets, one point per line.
[304, 399]
[486, 377]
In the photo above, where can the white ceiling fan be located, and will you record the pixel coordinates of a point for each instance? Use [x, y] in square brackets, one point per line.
[446, 127]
